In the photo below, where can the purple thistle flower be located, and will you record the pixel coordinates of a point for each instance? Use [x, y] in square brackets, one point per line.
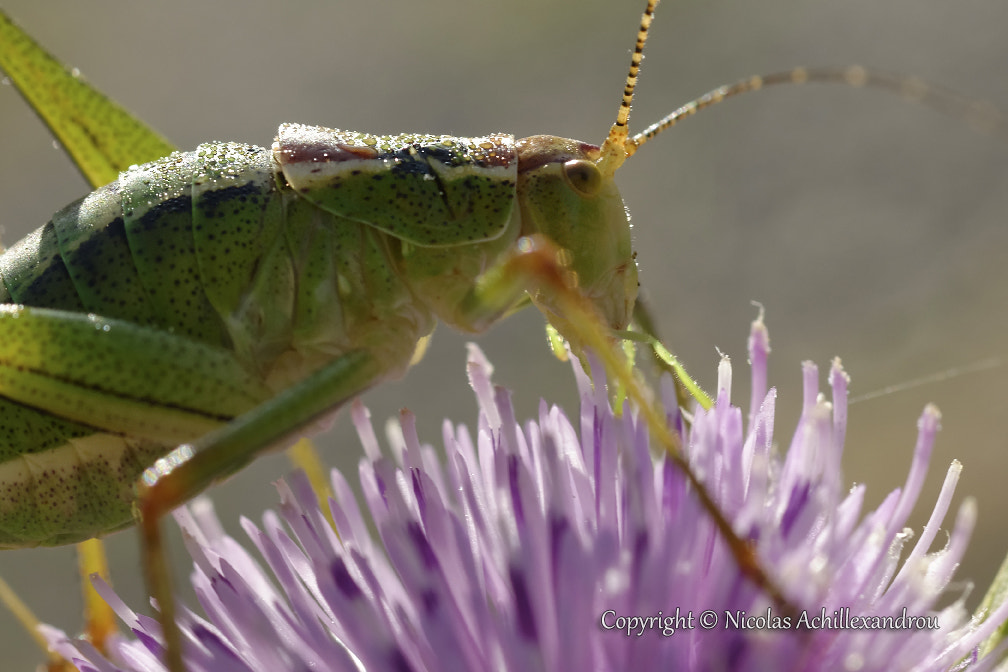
[561, 547]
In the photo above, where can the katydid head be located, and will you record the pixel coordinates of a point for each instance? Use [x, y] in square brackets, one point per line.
[565, 198]
[569, 195]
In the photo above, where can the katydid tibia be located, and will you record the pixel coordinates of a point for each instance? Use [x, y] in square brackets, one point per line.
[255, 288]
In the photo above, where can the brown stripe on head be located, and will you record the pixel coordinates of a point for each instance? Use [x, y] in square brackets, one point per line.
[314, 149]
[538, 150]
[309, 152]
[300, 144]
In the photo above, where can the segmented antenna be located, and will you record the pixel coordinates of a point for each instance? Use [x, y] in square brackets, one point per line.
[982, 115]
[615, 150]
[619, 146]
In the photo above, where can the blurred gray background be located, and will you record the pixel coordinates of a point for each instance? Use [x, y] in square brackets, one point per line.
[870, 228]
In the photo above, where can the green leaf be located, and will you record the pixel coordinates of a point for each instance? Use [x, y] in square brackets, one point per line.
[101, 137]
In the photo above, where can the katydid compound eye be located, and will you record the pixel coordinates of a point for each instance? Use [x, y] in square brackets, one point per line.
[583, 176]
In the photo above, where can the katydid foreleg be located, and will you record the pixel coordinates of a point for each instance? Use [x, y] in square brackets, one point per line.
[538, 266]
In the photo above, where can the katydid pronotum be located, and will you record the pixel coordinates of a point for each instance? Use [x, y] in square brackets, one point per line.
[400, 349]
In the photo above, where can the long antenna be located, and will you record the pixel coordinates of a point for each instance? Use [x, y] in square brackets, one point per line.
[619, 146]
[614, 150]
[982, 115]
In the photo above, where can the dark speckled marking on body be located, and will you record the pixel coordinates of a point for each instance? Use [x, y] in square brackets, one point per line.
[215, 199]
[33, 272]
[105, 276]
[174, 284]
[218, 249]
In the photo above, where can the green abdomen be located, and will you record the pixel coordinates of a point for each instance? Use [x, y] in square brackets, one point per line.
[206, 246]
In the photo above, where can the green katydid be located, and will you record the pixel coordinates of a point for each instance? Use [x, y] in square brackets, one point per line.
[202, 347]
[254, 288]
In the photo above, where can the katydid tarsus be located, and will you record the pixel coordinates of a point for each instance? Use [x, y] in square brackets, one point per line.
[401, 349]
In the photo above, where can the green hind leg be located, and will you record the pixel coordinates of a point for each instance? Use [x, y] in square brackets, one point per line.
[191, 468]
